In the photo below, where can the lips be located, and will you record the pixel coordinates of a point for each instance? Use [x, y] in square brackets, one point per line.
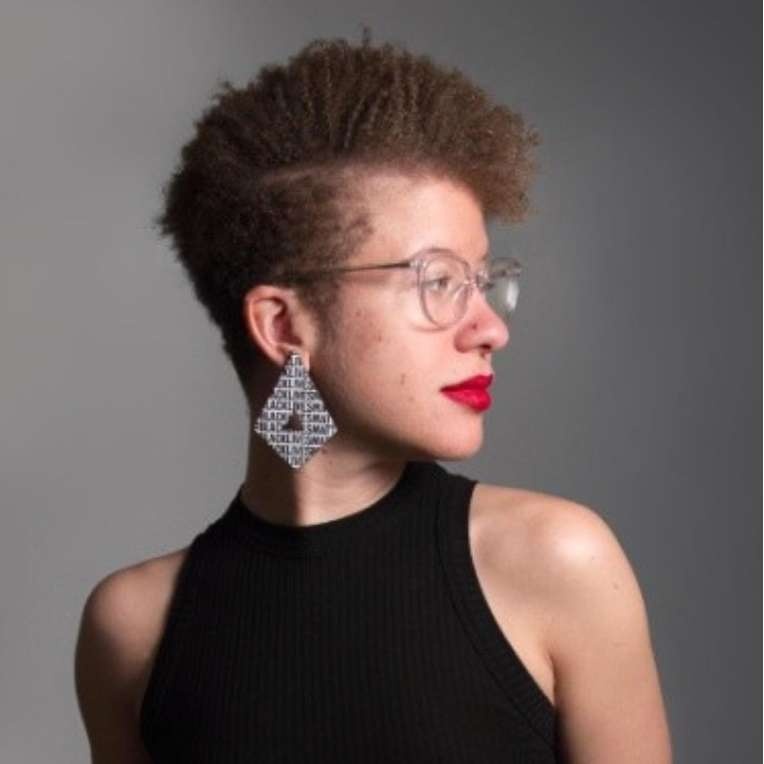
[472, 392]
[478, 382]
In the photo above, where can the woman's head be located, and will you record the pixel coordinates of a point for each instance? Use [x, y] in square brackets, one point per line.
[381, 368]
[345, 154]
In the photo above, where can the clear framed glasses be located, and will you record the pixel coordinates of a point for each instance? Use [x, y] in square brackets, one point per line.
[446, 282]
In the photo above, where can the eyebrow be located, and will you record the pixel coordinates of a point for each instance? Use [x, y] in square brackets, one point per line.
[426, 250]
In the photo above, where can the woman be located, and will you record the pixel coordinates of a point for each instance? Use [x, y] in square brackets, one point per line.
[356, 601]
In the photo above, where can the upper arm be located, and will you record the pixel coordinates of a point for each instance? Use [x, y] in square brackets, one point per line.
[607, 687]
[108, 659]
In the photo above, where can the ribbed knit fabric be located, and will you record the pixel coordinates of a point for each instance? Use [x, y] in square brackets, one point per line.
[362, 639]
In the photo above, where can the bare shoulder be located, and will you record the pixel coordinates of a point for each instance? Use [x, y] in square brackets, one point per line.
[530, 537]
[559, 555]
[516, 536]
[545, 541]
[564, 559]
[121, 623]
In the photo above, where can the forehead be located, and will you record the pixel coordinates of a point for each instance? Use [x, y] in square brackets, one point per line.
[409, 215]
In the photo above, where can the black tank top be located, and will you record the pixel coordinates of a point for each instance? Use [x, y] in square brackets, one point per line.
[362, 639]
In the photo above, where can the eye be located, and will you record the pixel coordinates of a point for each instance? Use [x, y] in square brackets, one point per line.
[440, 284]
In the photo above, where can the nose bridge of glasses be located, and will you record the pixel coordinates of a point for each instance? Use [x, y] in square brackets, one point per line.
[483, 283]
[476, 280]
[464, 294]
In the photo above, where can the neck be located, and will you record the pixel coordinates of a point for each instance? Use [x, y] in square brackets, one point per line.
[335, 482]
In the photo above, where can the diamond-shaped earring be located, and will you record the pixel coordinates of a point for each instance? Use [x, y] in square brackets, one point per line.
[295, 421]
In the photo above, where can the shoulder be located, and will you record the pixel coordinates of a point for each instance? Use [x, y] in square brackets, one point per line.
[120, 626]
[561, 542]
[548, 534]
[548, 551]
[125, 604]
[562, 552]
[564, 557]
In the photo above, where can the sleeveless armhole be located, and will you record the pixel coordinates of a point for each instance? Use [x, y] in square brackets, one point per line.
[473, 610]
[166, 659]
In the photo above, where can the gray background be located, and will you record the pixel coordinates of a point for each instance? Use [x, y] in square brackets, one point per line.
[631, 382]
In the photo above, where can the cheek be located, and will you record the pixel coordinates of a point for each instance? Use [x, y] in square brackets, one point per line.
[368, 337]
[386, 359]
[406, 389]
[377, 357]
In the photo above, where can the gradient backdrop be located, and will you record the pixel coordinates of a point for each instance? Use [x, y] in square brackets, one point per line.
[631, 382]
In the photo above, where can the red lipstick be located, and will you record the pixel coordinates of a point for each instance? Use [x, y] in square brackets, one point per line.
[472, 392]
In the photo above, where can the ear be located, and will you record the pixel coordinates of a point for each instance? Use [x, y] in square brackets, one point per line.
[277, 323]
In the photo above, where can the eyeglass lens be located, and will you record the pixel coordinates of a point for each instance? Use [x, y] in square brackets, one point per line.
[444, 294]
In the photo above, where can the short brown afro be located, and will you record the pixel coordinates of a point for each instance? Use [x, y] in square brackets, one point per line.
[267, 185]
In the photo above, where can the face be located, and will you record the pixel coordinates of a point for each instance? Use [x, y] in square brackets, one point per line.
[382, 375]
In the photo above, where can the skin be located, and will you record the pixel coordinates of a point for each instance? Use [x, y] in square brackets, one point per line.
[553, 573]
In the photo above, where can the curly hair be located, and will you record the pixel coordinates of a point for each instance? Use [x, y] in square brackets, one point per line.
[270, 183]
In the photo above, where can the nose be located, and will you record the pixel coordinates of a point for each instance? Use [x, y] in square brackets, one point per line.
[482, 325]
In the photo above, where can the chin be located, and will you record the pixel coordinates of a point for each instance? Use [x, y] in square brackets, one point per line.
[453, 438]
[450, 446]
[457, 454]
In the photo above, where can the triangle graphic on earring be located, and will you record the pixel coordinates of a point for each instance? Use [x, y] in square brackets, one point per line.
[295, 421]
